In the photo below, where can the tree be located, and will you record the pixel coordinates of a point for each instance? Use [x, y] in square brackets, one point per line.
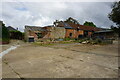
[115, 17]
[115, 13]
[5, 34]
[89, 24]
[16, 35]
[115, 29]
[71, 20]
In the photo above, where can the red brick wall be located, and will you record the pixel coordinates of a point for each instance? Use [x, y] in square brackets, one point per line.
[74, 32]
[68, 31]
[80, 32]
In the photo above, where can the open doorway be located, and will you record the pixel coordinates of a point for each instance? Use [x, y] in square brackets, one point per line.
[70, 35]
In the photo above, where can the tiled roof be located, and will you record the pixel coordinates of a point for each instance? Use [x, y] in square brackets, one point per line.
[90, 28]
[35, 28]
[73, 25]
[82, 27]
[67, 26]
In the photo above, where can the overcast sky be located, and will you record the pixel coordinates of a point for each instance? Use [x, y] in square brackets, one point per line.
[19, 14]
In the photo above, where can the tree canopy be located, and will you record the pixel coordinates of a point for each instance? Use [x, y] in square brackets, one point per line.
[71, 20]
[5, 33]
[115, 17]
[115, 13]
[89, 24]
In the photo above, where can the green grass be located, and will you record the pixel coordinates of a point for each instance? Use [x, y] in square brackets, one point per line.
[5, 39]
[68, 39]
[51, 44]
[66, 42]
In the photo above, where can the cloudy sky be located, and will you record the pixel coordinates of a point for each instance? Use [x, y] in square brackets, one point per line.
[19, 14]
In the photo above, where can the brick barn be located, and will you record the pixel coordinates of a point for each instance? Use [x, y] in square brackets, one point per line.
[34, 33]
[75, 30]
[59, 29]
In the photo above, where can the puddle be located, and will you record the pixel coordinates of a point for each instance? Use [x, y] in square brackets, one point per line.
[8, 50]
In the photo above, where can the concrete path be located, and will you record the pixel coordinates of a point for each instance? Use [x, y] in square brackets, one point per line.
[8, 50]
[75, 61]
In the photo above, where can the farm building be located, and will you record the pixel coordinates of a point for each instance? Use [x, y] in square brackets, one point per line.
[33, 33]
[59, 29]
[105, 34]
[15, 33]
[75, 30]
[55, 32]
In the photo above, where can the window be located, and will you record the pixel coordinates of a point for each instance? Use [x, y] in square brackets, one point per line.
[39, 35]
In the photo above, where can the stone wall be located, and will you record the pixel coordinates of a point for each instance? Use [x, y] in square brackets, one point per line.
[57, 32]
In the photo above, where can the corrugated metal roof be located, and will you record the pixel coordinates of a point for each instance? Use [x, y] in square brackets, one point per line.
[90, 28]
[104, 31]
[67, 26]
[35, 28]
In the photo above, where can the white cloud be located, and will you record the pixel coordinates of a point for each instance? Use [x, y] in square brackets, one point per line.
[60, 0]
[19, 14]
[42, 22]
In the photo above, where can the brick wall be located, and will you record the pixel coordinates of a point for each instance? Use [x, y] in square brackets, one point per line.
[71, 31]
[80, 32]
[74, 32]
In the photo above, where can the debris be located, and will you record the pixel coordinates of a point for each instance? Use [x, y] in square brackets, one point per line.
[85, 42]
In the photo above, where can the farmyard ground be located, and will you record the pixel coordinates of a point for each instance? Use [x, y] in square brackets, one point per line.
[72, 60]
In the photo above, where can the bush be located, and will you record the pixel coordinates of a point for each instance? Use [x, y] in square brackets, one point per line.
[5, 34]
[68, 39]
[102, 42]
[16, 35]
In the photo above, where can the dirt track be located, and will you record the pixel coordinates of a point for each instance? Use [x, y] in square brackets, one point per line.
[62, 61]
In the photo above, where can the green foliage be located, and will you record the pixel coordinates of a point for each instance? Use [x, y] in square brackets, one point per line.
[5, 39]
[15, 31]
[5, 34]
[115, 17]
[39, 35]
[89, 24]
[67, 39]
[16, 34]
[71, 20]
[115, 13]
[115, 29]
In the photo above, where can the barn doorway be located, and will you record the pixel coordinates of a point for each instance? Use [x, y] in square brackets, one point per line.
[80, 36]
[31, 39]
[70, 34]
